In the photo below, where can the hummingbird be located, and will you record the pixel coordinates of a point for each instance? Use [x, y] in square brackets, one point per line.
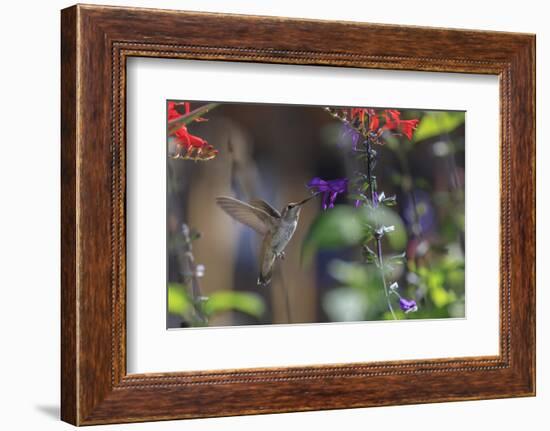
[276, 227]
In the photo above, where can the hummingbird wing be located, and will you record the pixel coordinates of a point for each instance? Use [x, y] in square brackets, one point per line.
[256, 218]
[263, 205]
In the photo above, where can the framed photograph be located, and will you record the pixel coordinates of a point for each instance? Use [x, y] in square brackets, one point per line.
[325, 222]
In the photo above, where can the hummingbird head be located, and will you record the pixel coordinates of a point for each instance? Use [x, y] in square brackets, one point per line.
[293, 208]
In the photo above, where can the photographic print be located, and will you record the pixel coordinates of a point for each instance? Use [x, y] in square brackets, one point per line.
[286, 214]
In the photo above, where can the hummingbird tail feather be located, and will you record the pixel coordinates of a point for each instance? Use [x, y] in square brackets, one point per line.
[264, 279]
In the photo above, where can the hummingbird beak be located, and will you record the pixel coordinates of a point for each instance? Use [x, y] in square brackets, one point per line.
[307, 199]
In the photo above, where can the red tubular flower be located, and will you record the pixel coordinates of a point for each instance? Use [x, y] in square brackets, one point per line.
[174, 113]
[358, 112]
[392, 118]
[408, 127]
[189, 140]
[394, 122]
[374, 122]
[189, 146]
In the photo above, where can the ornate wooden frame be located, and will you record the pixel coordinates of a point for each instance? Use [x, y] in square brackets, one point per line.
[96, 41]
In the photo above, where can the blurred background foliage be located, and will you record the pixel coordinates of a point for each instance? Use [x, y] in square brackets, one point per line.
[270, 152]
[181, 304]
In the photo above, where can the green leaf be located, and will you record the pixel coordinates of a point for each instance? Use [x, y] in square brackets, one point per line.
[438, 123]
[365, 186]
[345, 226]
[229, 300]
[382, 215]
[350, 273]
[441, 297]
[356, 197]
[369, 255]
[399, 258]
[390, 201]
[177, 123]
[178, 301]
[335, 228]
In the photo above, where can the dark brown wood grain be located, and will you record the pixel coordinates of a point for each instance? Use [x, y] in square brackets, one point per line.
[68, 217]
[96, 41]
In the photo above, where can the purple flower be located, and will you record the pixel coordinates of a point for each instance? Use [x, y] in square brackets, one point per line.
[355, 136]
[329, 188]
[408, 305]
[376, 199]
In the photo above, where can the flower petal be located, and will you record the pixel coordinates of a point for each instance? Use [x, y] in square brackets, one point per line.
[408, 305]
[333, 196]
[374, 121]
[172, 113]
[325, 196]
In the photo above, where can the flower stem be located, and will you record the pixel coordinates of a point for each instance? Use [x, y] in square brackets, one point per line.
[190, 271]
[370, 136]
[382, 273]
[369, 171]
[379, 253]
